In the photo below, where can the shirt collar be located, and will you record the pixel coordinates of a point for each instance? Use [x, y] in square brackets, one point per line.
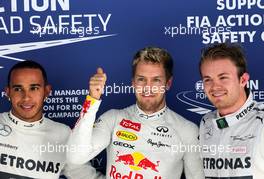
[23, 124]
[234, 118]
[153, 116]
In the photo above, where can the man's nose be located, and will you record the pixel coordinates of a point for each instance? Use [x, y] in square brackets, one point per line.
[215, 84]
[26, 95]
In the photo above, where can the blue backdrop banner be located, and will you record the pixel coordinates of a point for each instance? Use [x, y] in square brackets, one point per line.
[72, 38]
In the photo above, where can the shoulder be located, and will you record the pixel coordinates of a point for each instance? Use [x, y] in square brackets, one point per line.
[108, 115]
[208, 117]
[187, 130]
[113, 113]
[3, 116]
[110, 118]
[259, 107]
[57, 127]
[180, 122]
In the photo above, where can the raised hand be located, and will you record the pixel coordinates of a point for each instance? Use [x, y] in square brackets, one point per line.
[97, 83]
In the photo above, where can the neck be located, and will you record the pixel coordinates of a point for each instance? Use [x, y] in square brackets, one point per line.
[152, 111]
[26, 120]
[235, 107]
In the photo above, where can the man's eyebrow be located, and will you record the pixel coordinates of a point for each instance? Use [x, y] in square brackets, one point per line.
[35, 84]
[221, 74]
[16, 86]
[157, 76]
[206, 76]
[19, 86]
[151, 77]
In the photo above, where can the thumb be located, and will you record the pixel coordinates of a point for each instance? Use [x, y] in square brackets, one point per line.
[100, 70]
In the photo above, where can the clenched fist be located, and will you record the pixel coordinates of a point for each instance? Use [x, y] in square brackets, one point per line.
[97, 83]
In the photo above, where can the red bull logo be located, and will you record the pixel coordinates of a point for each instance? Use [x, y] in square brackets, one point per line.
[147, 164]
[114, 174]
[137, 161]
[127, 159]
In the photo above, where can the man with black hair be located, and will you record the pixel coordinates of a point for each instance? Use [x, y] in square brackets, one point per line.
[25, 134]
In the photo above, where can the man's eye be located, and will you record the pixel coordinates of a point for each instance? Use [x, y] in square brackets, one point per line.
[34, 88]
[206, 80]
[157, 80]
[140, 79]
[17, 89]
[223, 77]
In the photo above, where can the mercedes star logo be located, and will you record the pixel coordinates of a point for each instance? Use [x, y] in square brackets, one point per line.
[5, 130]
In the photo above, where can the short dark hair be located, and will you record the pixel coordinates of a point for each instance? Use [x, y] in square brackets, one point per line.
[27, 64]
[154, 55]
[233, 52]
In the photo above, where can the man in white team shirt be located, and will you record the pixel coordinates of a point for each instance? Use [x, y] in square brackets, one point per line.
[142, 140]
[232, 136]
[25, 132]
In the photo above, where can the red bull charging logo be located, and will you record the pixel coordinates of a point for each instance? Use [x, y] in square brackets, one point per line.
[136, 161]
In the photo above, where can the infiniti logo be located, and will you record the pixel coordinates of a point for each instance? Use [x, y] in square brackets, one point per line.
[5, 130]
[162, 129]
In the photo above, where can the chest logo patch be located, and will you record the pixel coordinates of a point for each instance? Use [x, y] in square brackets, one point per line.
[130, 125]
[125, 135]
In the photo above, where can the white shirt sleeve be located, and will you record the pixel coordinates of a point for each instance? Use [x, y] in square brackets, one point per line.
[261, 145]
[85, 171]
[193, 167]
[88, 139]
